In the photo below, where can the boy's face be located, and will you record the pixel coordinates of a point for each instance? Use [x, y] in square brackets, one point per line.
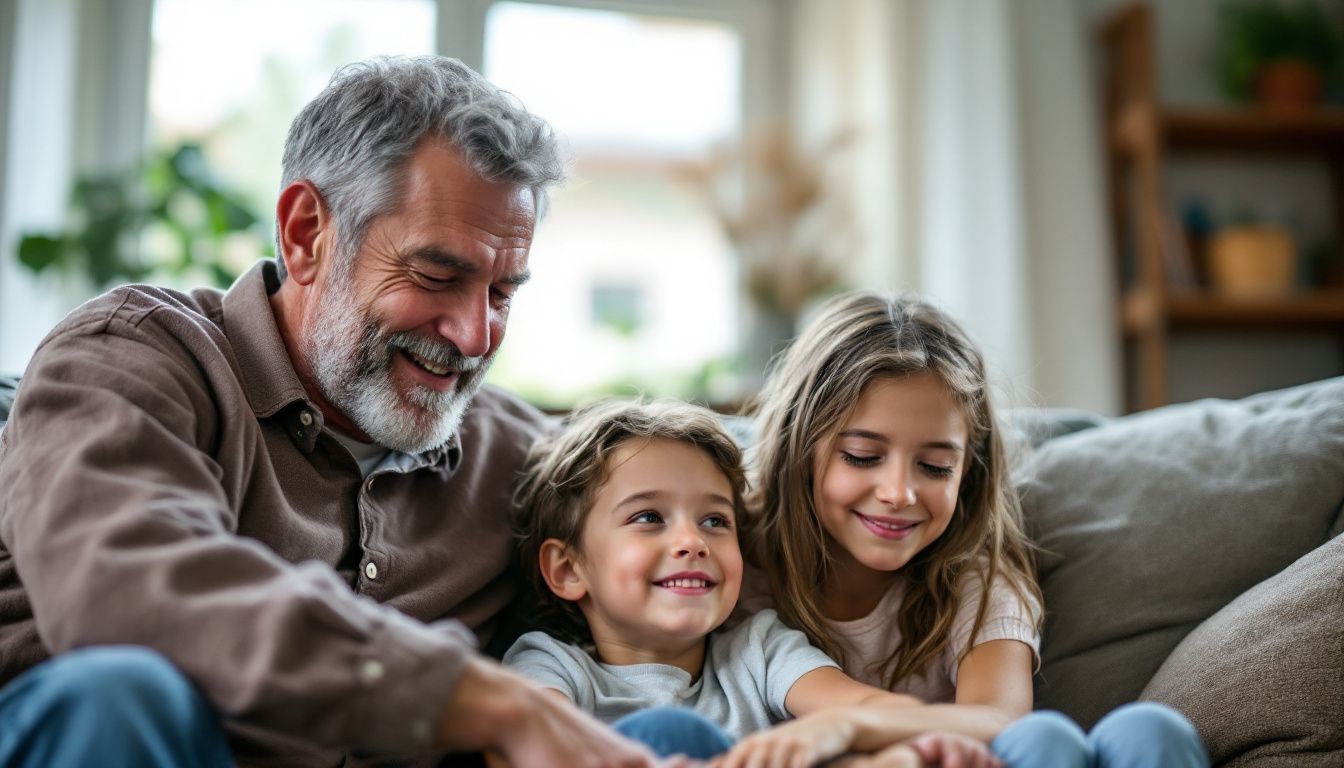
[659, 561]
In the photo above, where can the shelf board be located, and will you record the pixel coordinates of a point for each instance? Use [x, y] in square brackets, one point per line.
[1250, 130]
[1324, 309]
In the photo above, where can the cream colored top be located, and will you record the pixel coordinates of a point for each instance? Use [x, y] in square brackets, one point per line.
[870, 641]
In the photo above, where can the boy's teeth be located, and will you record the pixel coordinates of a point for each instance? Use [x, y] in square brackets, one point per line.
[686, 583]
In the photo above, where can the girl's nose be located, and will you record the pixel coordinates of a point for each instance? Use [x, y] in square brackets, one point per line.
[895, 490]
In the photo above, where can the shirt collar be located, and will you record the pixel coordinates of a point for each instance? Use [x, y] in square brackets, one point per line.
[268, 374]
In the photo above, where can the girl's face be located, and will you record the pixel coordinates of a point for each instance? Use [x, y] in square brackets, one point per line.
[886, 486]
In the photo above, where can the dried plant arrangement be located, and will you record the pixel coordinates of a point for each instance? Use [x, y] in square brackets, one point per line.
[780, 205]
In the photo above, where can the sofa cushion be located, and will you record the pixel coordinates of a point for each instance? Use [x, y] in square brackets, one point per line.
[1151, 523]
[1281, 646]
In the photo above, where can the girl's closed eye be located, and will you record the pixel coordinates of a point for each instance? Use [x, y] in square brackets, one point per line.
[937, 470]
[860, 460]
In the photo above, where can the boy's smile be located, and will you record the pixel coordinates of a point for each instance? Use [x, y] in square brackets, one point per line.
[659, 565]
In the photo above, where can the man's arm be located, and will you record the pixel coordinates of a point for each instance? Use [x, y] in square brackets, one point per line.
[123, 525]
[522, 724]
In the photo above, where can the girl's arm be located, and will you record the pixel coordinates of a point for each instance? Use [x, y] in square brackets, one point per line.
[837, 714]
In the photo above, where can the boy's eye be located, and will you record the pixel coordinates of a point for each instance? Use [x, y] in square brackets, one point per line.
[857, 460]
[647, 517]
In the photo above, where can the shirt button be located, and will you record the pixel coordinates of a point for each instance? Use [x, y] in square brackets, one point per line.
[371, 671]
[371, 570]
[306, 418]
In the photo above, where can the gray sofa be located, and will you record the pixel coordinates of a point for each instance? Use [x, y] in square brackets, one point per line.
[1191, 555]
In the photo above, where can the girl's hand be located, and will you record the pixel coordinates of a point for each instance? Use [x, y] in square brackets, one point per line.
[951, 750]
[898, 756]
[796, 744]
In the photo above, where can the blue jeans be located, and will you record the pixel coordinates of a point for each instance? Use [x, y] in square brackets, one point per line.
[675, 731]
[110, 706]
[1144, 735]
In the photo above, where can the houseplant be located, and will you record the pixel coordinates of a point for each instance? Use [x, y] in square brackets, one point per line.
[169, 217]
[1282, 55]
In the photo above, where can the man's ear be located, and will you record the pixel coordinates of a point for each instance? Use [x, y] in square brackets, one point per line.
[560, 569]
[305, 230]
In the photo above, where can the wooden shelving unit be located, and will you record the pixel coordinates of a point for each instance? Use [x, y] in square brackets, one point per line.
[1141, 136]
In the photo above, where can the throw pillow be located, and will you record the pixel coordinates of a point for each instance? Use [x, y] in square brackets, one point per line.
[1263, 679]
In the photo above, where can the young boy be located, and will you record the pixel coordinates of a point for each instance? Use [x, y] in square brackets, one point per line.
[628, 529]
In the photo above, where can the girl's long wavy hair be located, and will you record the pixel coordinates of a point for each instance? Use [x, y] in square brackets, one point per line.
[812, 389]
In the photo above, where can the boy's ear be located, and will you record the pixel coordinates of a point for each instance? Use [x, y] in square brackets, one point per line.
[560, 569]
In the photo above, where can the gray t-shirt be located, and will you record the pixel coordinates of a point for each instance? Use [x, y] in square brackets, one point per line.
[748, 671]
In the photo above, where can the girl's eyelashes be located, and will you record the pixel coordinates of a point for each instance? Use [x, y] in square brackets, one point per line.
[647, 517]
[937, 470]
[856, 460]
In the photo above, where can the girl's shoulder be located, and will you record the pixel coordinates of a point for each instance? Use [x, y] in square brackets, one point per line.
[1005, 593]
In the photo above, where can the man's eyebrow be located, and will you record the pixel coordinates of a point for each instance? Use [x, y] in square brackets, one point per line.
[946, 445]
[518, 279]
[441, 258]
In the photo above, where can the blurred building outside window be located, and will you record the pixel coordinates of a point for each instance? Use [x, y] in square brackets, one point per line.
[635, 287]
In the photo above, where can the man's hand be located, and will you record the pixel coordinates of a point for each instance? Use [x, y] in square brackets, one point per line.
[493, 709]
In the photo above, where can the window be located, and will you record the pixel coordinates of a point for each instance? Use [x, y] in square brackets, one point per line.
[231, 74]
[634, 284]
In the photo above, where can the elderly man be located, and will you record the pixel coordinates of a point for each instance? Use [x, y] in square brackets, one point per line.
[275, 513]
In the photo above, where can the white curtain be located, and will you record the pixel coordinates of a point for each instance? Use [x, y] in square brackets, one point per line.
[978, 180]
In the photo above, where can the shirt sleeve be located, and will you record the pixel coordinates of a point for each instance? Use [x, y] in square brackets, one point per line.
[788, 656]
[1009, 616]
[124, 531]
[551, 664]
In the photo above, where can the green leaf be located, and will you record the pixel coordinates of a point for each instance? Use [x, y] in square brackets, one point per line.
[38, 252]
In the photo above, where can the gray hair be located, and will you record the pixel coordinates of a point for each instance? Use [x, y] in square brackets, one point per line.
[354, 139]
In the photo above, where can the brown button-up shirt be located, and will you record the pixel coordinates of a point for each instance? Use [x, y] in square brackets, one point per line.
[165, 482]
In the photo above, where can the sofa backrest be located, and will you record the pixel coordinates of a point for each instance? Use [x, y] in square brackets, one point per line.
[1151, 523]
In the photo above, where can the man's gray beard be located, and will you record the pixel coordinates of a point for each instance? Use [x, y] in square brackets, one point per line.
[351, 358]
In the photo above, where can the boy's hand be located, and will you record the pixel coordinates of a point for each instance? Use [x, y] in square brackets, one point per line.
[796, 744]
[951, 750]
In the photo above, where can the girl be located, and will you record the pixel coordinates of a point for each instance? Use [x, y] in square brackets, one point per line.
[888, 532]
